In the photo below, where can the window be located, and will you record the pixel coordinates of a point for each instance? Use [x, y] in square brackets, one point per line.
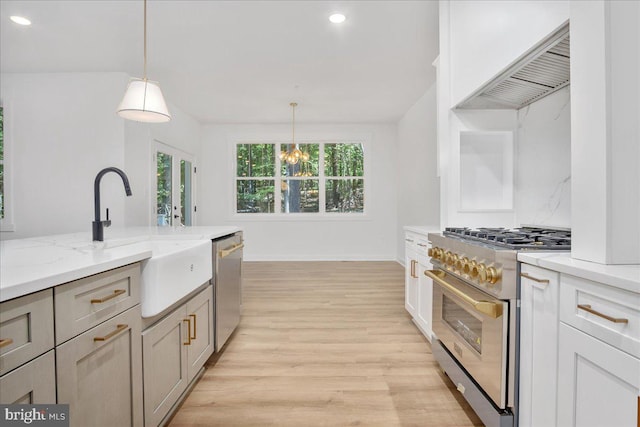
[174, 200]
[303, 178]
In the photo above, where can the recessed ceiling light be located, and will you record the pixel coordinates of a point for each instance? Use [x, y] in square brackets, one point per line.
[20, 20]
[337, 18]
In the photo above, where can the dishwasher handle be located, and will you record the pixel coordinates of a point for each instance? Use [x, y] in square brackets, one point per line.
[226, 252]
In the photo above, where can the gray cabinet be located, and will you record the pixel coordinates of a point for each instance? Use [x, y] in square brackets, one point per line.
[32, 383]
[174, 350]
[100, 373]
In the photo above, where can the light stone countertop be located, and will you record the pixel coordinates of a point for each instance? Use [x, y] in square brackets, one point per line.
[421, 229]
[33, 264]
[625, 276]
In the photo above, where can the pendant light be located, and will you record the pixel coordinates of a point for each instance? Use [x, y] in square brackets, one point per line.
[143, 100]
[294, 154]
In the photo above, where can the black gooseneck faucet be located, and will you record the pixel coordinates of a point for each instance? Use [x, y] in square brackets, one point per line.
[98, 225]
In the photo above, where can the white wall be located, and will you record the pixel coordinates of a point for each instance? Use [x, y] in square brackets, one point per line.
[62, 130]
[370, 238]
[182, 132]
[419, 185]
[487, 36]
[543, 162]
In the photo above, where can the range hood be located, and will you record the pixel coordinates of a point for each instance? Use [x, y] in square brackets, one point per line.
[541, 71]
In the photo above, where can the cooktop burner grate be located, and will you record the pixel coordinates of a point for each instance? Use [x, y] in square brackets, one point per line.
[522, 238]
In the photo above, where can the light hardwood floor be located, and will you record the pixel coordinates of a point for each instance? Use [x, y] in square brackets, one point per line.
[324, 344]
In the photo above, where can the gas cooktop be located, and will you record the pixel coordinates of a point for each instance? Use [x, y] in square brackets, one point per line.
[522, 238]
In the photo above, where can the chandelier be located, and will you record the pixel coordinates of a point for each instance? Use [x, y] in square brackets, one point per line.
[293, 155]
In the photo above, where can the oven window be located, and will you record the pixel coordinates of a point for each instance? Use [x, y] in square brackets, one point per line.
[468, 327]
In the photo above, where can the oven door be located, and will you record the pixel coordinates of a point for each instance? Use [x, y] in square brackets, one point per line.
[473, 326]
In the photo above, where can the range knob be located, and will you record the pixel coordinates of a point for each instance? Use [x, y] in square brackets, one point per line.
[460, 264]
[454, 260]
[437, 253]
[466, 265]
[430, 252]
[492, 275]
[473, 268]
[448, 257]
[482, 272]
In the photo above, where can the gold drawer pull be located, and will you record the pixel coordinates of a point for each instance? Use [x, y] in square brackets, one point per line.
[5, 342]
[193, 316]
[108, 297]
[588, 309]
[225, 252]
[535, 279]
[188, 332]
[112, 334]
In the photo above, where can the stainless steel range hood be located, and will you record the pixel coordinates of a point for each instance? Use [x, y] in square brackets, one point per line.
[541, 71]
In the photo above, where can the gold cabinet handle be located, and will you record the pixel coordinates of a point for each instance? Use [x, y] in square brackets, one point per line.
[5, 342]
[413, 268]
[115, 293]
[225, 252]
[188, 331]
[489, 308]
[195, 326]
[535, 279]
[588, 309]
[112, 334]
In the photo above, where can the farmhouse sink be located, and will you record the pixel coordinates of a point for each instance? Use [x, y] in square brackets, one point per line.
[175, 269]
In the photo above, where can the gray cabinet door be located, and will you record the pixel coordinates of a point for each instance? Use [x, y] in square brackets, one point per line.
[32, 383]
[100, 373]
[200, 311]
[164, 348]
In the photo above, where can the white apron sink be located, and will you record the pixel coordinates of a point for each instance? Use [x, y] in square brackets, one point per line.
[176, 268]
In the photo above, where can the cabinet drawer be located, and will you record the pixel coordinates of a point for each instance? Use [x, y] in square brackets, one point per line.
[33, 383]
[411, 241]
[422, 245]
[605, 312]
[26, 329]
[85, 303]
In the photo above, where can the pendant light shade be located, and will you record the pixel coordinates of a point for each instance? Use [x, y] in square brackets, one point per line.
[143, 102]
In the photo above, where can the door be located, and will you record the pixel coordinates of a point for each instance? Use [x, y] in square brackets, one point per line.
[175, 186]
[425, 299]
[99, 373]
[200, 311]
[164, 349]
[539, 293]
[598, 385]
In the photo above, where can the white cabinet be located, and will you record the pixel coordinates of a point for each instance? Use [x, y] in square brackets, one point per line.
[599, 385]
[539, 293]
[599, 355]
[174, 350]
[424, 309]
[410, 277]
[418, 287]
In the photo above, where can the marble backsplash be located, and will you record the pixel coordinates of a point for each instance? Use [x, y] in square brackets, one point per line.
[543, 162]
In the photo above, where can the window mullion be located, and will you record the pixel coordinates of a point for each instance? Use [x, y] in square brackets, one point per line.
[277, 180]
[322, 183]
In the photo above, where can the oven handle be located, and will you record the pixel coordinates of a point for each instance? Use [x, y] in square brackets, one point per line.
[491, 309]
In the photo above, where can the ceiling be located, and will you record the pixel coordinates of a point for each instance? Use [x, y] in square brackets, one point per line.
[241, 61]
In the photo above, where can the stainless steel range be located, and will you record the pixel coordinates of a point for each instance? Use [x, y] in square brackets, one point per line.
[475, 311]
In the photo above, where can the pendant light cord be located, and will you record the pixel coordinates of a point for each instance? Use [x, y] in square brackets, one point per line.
[293, 123]
[145, 41]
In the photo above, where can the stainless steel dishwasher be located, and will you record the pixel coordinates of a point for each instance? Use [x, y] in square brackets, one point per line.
[227, 286]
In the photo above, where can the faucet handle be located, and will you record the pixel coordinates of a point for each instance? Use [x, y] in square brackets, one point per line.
[107, 222]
